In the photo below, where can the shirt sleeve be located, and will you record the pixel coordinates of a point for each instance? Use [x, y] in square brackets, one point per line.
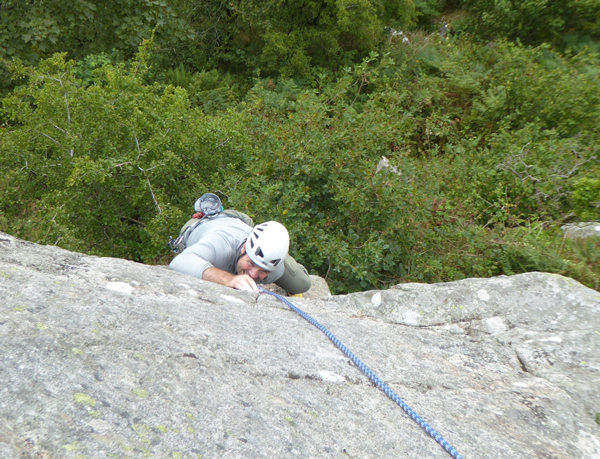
[212, 251]
[295, 278]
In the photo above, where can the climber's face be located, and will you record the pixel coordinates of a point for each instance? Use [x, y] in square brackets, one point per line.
[246, 266]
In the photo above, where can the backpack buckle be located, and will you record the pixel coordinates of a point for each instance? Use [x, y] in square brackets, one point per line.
[176, 244]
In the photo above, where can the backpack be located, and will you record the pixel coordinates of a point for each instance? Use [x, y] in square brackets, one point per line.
[207, 207]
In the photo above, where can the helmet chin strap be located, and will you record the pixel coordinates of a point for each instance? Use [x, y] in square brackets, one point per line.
[241, 251]
[242, 248]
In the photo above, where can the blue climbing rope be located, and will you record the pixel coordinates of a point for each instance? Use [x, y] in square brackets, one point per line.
[372, 376]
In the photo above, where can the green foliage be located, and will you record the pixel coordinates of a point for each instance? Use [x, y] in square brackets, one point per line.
[514, 130]
[361, 227]
[536, 21]
[305, 173]
[32, 30]
[428, 10]
[287, 38]
[179, 77]
[434, 160]
[540, 247]
[476, 162]
[290, 38]
[586, 199]
[106, 168]
[526, 258]
[583, 261]
[84, 69]
[210, 91]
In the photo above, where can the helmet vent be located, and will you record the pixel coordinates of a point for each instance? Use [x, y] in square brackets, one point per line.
[267, 245]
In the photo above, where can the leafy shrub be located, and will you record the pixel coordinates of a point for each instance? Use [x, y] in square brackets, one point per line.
[583, 261]
[106, 168]
[476, 162]
[535, 21]
[289, 39]
[211, 91]
[440, 160]
[33, 30]
[347, 221]
[586, 199]
[516, 132]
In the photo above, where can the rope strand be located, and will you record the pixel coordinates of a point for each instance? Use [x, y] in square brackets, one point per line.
[372, 376]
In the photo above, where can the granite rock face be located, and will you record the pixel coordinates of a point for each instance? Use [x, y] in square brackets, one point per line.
[106, 358]
[581, 230]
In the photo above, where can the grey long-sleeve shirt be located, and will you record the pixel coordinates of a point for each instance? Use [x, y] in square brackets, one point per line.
[217, 243]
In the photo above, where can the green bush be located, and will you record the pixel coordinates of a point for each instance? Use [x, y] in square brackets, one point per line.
[586, 199]
[474, 166]
[309, 172]
[244, 38]
[289, 39]
[34, 30]
[535, 21]
[514, 131]
[106, 168]
[210, 91]
[440, 160]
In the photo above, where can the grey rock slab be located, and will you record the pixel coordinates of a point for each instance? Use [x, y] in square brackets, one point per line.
[550, 321]
[104, 357]
[581, 230]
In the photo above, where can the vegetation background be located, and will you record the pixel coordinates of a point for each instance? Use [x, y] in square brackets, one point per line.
[398, 140]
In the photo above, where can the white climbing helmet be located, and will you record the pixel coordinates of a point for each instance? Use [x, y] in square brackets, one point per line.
[267, 245]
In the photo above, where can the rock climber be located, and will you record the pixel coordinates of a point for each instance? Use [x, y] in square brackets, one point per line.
[226, 250]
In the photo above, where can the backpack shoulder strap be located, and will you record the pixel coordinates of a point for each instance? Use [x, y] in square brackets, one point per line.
[178, 245]
[240, 215]
[190, 222]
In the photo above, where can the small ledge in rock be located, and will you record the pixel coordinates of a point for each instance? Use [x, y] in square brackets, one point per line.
[376, 300]
[330, 376]
[233, 299]
[495, 325]
[483, 295]
[456, 330]
[121, 287]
